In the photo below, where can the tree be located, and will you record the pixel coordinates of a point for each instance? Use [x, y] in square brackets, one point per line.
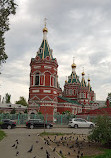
[22, 101]
[13, 111]
[102, 132]
[7, 8]
[7, 98]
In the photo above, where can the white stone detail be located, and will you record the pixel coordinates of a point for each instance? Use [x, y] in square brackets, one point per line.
[55, 92]
[47, 91]
[37, 67]
[35, 91]
[47, 67]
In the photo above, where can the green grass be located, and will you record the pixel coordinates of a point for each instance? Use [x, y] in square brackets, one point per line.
[2, 135]
[107, 154]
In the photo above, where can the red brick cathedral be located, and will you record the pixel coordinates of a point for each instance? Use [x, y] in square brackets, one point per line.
[46, 96]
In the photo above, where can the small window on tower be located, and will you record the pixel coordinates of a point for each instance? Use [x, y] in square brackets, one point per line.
[37, 79]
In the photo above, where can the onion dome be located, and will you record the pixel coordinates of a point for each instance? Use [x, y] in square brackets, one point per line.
[45, 29]
[88, 79]
[83, 73]
[73, 65]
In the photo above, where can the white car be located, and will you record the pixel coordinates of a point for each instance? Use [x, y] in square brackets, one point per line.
[79, 122]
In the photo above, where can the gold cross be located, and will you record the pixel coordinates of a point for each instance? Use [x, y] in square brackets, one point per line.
[45, 21]
[73, 59]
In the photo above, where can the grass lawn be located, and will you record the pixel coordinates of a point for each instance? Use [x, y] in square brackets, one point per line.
[2, 135]
[107, 154]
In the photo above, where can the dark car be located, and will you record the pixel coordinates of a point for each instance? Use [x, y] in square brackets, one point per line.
[7, 124]
[34, 123]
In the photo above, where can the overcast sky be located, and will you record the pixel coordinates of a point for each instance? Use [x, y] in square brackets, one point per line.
[76, 28]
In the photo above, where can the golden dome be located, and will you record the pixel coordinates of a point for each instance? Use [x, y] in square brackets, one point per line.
[45, 29]
[83, 73]
[73, 65]
[65, 81]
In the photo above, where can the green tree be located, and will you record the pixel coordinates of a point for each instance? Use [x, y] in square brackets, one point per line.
[7, 98]
[22, 101]
[13, 111]
[7, 8]
[102, 132]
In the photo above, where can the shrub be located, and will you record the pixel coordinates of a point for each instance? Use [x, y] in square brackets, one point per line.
[102, 132]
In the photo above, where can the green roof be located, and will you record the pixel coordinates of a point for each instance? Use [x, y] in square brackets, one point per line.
[69, 100]
[73, 78]
[45, 50]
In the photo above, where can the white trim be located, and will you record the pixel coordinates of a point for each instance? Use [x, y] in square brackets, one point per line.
[46, 97]
[35, 97]
[47, 67]
[34, 91]
[47, 91]
[37, 67]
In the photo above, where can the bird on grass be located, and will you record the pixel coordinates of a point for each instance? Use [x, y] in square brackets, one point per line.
[17, 153]
[30, 150]
[81, 154]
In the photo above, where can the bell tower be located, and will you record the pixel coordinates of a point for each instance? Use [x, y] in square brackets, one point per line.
[43, 91]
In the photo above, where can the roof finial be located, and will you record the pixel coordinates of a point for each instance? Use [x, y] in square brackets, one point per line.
[45, 19]
[73, 59]
[45, 28]
[88, 77]
[83, 72]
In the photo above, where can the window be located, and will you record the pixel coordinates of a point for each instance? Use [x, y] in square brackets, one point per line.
[54, 81]
[37, 79]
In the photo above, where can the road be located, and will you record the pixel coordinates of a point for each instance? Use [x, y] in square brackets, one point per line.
[27, 138]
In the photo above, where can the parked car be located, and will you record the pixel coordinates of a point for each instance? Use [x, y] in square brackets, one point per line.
[7, 124]
[79, 122]
[34, 123]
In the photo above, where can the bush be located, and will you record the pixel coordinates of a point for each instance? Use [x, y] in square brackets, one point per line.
[102, 132]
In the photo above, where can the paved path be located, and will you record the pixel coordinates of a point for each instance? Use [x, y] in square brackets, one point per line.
[25, 142]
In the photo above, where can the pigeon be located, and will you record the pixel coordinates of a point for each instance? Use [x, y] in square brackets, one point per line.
[17, 153]
[16, 140]
[68, 153]
[60, 152]
[41, 148]
[47, 153]
[54, 149]
[30, 150]
[13, 145]
[37, 141]
[16, 147]
[81, 154]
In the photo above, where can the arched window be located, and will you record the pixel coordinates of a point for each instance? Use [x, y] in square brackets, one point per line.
[37, 79]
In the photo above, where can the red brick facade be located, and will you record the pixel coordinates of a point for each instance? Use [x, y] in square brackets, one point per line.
[45, 95]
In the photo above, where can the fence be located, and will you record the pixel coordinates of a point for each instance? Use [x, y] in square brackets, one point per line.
[56, 119]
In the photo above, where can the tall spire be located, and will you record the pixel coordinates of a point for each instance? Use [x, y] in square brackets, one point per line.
[89, 86]
[45, 30]
[73, 66]
[83, 83]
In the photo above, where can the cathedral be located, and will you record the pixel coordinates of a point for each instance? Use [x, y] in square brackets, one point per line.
[45, 94]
